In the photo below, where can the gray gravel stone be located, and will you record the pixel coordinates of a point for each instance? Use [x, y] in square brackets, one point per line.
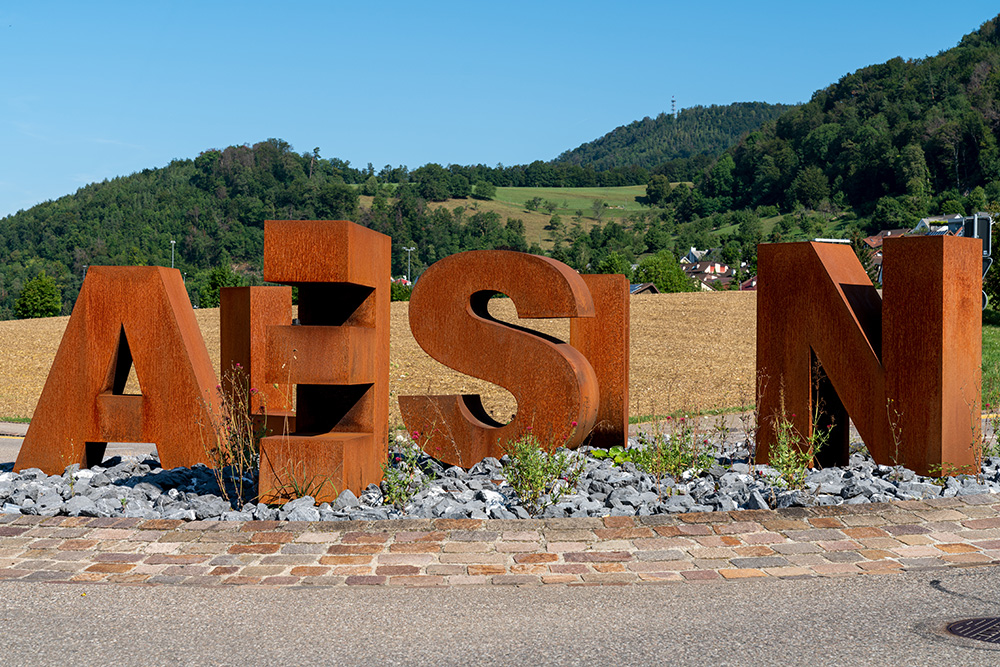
[346, 499]
[80, 506]
[140, 488]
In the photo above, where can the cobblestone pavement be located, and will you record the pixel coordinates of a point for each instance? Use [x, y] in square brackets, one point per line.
[797, 542]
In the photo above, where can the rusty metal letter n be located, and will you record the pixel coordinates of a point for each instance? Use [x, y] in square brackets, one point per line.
[125, 315]
[904, 367]
[553, 382]
[338, 358]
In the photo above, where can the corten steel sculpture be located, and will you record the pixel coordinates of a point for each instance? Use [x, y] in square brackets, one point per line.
[245, 314]
[553, 382]
[604, 341]
[338, 358]
[904, 367]
[125, 315]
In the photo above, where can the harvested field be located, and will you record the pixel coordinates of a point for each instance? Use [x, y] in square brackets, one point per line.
[689, 351]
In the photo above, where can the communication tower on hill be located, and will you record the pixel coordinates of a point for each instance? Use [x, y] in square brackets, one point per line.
[673, 107]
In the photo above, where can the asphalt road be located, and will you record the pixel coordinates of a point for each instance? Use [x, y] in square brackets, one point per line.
[867, 620]
[11, 444]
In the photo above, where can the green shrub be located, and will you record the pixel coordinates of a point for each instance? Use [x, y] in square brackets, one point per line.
[40, 297]
[539, 477]
[399, 291]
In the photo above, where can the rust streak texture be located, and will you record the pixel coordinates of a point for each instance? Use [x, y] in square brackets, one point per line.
[904, 367]
[604, 341]
[553, 382]
[125, 315]
[245, 313]
[338, 358]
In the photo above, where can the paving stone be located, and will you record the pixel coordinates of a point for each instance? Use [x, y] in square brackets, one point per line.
[843, 556]
[758, 563]
[741, 573]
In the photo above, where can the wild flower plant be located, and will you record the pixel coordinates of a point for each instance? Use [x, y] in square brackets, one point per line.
[673, 450]
[792, 453]
[402, 475]
[540, 475]
[234, 449]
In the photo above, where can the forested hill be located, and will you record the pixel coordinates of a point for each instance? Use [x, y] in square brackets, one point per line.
[893, 142]
[651, 142]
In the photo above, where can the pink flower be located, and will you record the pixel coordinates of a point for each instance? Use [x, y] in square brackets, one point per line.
[573, 424]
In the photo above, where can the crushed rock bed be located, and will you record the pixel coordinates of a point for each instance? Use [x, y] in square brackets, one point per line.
[139, 488]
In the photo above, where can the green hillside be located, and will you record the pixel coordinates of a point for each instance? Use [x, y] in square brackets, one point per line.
[653, 141]
[893, 142]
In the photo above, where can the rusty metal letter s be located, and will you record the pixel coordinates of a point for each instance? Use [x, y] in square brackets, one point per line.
[553, 382]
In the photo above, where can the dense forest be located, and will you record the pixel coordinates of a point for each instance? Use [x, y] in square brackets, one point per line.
[652, 142]
[891, 142]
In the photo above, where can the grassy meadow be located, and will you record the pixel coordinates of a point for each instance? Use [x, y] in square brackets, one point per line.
[510, 203]
[568, 201]
[991, 358]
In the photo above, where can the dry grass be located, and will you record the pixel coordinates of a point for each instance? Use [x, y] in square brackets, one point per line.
[689, 351]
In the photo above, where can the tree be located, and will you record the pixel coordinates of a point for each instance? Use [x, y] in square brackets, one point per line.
[460, 187]
[865, 255]
[977, 200]
[221, 276]
[889, 214]
[657, 190]
[533, 203]
[810, 187]
[663, 271]
[337, 202]
[556, 226]
[615, 262]
[485, 190]
[40, 297]
[370, 188]
[732, 253]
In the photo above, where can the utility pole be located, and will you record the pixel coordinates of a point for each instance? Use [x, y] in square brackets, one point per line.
[408, 251]
[172, 244]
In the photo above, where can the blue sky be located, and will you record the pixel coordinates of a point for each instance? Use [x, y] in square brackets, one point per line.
[93, 90]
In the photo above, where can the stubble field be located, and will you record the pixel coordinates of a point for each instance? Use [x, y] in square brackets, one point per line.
[688, 352]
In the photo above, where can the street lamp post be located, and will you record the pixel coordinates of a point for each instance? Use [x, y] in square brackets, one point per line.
[408, 251]
[172, 244]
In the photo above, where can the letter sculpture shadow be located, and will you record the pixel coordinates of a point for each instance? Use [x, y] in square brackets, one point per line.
[553, 382]
[125, 315]
[904, 367]
[338, 358]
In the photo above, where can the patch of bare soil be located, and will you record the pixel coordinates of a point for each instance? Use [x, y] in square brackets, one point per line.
[688, 352]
